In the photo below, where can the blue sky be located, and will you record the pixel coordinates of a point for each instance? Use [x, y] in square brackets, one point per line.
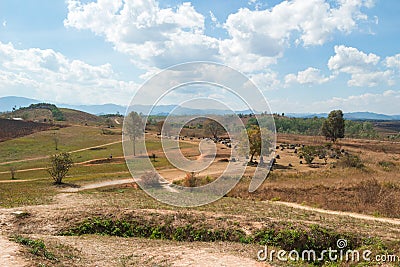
[305, 56]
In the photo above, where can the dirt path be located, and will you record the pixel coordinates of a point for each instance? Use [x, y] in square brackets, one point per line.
[45, 157]
[99, 185]
[43, 168]
[9, 254]
[338, 213]
[169, 174]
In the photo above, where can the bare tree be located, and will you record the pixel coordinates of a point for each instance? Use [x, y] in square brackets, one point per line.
[13, 170]
[59, 166]
[160, 125]
[214, 128]
[109, 123]
[134, 128]
[56, 140]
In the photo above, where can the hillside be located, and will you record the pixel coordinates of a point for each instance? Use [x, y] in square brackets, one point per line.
[33, 114]
[10, 129]
[49, 113]
[80, 117]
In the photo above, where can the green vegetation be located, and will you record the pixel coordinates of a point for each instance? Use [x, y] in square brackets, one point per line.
[387, 165]
[26, 194]
[36, 247]
[313, 126]
[333, 126]
[112, 115]
[60, 165]
[351, 161]
[309, 126]
[283, 235]
[358, 129]
[308, 153]
[41, 143]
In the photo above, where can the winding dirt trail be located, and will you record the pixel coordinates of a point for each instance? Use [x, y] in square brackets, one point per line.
[43, 168]
[46, 157]
[339, 213]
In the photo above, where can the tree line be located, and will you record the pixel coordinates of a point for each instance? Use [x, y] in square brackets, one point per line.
[314, 126]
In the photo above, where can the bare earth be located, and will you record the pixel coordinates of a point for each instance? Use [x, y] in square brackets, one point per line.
[9, 253]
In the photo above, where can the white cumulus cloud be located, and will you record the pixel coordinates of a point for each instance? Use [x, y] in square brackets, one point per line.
[385, 102]
[307, 76]
[363, 68]
[393, 61]
[154, 36]
[47, 74]
[159, 37]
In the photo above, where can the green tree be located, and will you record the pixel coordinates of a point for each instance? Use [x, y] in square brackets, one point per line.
[134, 128]
[252, 122]
[333, 126]
[259, 141]
[59, 166]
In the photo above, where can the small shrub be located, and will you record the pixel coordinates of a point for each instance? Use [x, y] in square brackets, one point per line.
[369, 191]
[150, 179]
[351, 161]
[308, 153]
[107, 132]
[37, 247]
[387, 165]
[190, 180]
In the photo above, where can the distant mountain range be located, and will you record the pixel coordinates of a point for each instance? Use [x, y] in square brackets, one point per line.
[7, 104]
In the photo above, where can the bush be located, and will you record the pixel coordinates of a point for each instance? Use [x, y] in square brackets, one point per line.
[386, 165]
[190, 180]
[351, 161]
[369, 191]
[308, 153]
[150, 179]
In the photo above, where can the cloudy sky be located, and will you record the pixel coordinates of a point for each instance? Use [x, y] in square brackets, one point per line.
[304, 55]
